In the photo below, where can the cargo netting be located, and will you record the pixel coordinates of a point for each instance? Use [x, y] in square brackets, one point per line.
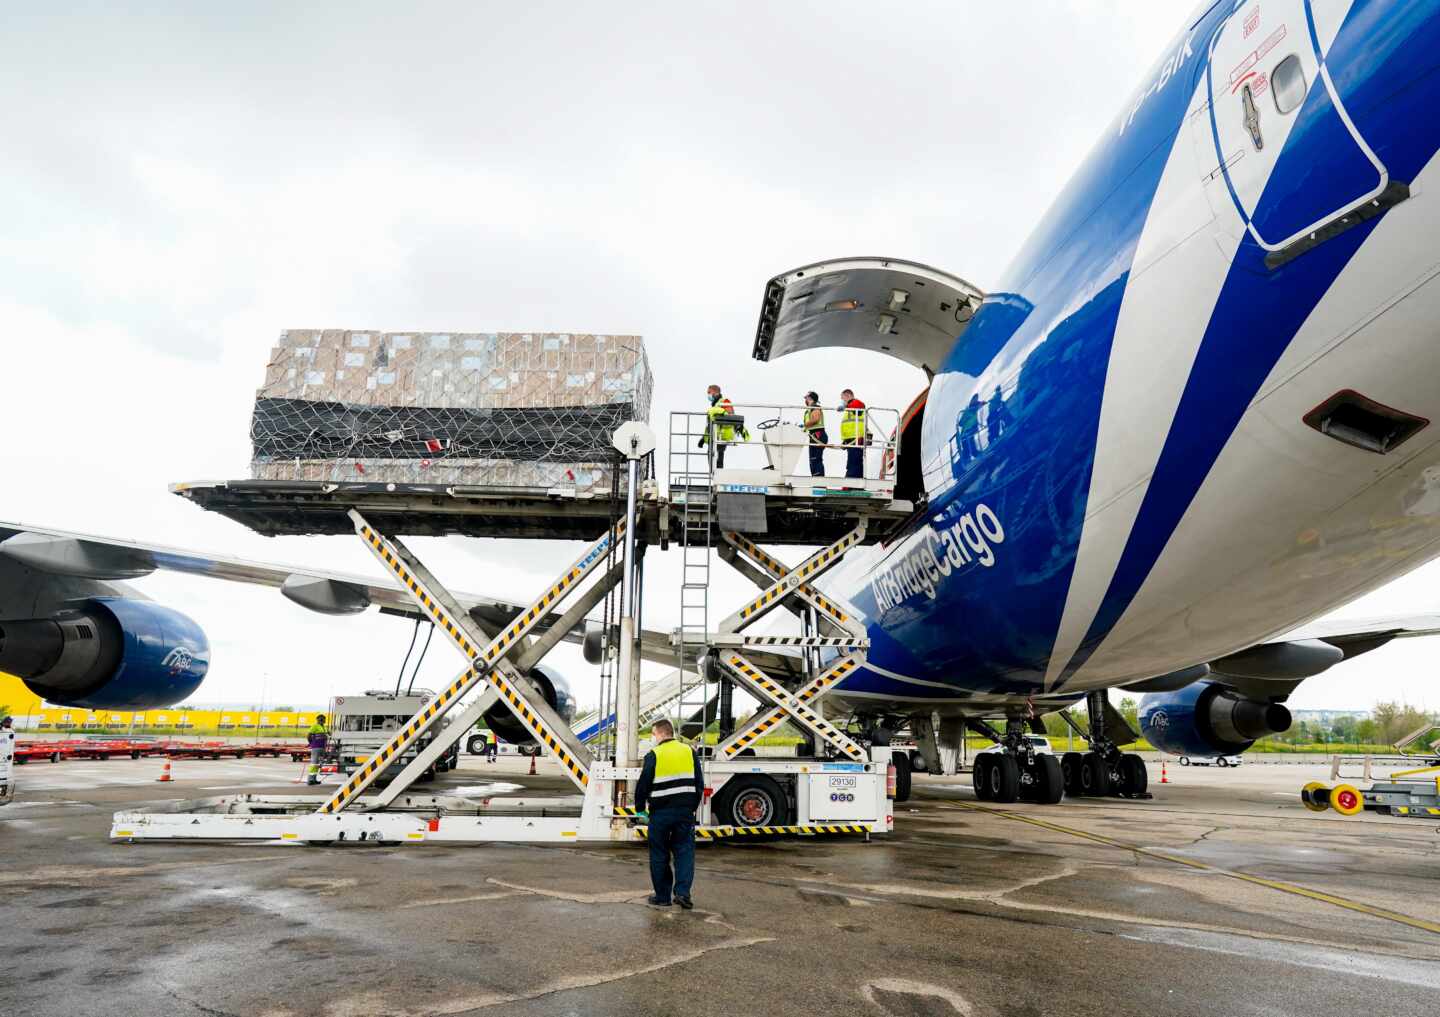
[495, 409]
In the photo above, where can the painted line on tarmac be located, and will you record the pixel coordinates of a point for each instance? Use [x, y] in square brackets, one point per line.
[1273, 884]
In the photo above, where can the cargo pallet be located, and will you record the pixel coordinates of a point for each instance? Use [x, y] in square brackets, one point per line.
[844, 789]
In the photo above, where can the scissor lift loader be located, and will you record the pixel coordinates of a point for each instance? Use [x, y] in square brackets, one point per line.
[842, 790]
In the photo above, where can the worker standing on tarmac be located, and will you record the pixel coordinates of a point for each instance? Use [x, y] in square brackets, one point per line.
[672, 784]
[492, 746]
[317, 738]
[722, 433]
[815, 432]
[854, 431]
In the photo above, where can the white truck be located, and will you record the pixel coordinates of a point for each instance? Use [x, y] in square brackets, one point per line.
[361, 725]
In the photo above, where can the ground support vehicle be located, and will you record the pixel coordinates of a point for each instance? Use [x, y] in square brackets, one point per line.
[360, 726]
[1414, 794]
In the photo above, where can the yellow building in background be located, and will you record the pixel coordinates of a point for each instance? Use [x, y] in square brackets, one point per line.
[35, 717]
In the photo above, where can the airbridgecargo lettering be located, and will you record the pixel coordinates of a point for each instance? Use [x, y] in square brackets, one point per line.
[936, 554]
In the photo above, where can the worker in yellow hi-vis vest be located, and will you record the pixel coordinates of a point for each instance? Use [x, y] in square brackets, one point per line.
[672, 785]
[721, 433]
[855, 432]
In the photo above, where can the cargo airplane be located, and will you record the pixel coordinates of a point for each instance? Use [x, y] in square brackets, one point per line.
[1192, 418]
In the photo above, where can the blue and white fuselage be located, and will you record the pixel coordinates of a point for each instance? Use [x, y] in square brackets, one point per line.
[1121, 480]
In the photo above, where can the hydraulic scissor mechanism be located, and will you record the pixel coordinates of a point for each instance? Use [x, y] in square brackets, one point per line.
[487, 657]
[837, 630]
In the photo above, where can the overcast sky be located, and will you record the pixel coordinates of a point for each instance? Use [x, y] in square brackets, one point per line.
[180, 184]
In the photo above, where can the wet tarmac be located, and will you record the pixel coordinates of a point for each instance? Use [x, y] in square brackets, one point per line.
[1220, 896]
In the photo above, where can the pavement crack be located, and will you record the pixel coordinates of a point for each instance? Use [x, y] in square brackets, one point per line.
[173, 994]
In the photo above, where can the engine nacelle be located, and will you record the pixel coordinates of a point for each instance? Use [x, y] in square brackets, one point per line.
[556, 690]
[1208, 719]
[109, 653]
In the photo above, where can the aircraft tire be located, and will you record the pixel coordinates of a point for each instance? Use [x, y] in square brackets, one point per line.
[1049, 780]
[980, 777]
[1070, 772]
[1094, 776]
[917, 763]
[1134, 778]
[1003, 778]
[902, 775]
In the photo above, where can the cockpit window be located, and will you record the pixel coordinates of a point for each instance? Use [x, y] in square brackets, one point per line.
[1287, 84]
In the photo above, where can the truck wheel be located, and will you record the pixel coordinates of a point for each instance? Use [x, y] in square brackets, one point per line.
[475, 746]
[1184, 760]
[917, 763]
[902, 775]
[751, 800]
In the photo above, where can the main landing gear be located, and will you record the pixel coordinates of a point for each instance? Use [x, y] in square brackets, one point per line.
[1104, 770]
[1015, 771]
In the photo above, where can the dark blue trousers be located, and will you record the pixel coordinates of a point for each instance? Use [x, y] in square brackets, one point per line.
[672, 832]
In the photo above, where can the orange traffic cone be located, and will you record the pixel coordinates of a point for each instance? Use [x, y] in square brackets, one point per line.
[532, 766]
[1164, 778]
[165, 773]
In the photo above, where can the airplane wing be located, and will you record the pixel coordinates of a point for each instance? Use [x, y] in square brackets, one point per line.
[1276, 667]
[88, 556]
[1354, 633]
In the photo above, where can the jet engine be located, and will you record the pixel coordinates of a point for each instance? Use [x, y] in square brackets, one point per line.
[108, 653]
[1208, 719]
[551, 685]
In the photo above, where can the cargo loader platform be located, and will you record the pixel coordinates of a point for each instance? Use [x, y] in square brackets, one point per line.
[799, 513]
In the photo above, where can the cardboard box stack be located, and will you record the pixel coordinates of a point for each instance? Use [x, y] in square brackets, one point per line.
[512, 409]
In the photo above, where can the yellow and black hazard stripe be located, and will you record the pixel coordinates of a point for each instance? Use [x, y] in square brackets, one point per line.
[1414, 810]
[362, 777]
[627, 813]
[765, 721]
[780, 571]
[775, 715]
[844, 642]
[777, 694]
[731, 832]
